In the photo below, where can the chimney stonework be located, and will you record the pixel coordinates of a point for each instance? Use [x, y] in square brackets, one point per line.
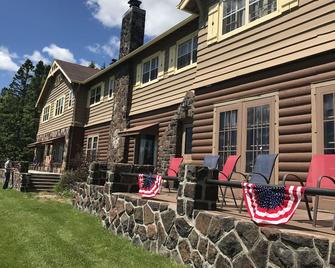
[132, 31]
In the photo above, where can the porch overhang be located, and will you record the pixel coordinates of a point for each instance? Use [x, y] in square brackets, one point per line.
[34, 144]
[134, 131]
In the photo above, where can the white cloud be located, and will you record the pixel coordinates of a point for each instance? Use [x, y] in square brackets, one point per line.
[59, 53]
[111, 48]
[161, 15]
[6, 60]
[36, 57]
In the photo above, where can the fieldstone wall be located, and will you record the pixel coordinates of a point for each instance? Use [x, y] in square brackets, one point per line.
[168, 142]
[199, 238]
[120, 121]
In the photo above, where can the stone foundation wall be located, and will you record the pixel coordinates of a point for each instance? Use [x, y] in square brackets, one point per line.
[201, 239]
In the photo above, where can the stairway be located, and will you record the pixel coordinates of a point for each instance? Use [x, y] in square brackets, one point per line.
[42, 182]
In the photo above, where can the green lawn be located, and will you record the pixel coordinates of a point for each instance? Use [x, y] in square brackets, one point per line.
[36, 233]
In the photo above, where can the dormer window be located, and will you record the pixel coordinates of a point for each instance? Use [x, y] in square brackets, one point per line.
[237, 13]
[150, 70]
[58, 79]
[187, 52]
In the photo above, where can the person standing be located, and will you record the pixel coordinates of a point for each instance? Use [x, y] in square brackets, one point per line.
[8, 168]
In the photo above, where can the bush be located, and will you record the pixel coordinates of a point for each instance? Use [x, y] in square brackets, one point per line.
[69, 179]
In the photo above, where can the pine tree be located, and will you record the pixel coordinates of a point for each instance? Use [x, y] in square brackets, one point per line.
[18, 116]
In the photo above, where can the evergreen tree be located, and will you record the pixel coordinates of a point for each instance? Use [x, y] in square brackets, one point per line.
[18, 116]
[92, 65]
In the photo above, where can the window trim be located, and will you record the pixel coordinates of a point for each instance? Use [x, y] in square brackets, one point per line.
[247, 25]
[242, 105]
[101, 85]
[55, 106]
[185, 126]
[87, 149]
[70, 100]
[318, 91]
[156, 55]
[58, 79]
[178, 43]
[49, 114]
[109, 87]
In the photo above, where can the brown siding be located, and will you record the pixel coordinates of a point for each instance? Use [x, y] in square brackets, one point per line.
[303, 32]
[293, 84]
[101, 112]
[161, 117]
[101, 130]
[62, 121]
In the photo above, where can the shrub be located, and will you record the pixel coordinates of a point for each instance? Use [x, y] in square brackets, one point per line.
[69, 179]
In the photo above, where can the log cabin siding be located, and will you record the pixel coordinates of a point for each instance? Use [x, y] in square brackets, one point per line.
[64, 120]
[292, 82]
[171, 88]
[102, 131]
[302, 32]
[161, 117]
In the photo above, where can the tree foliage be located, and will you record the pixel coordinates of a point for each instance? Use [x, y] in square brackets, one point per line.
[18, 116]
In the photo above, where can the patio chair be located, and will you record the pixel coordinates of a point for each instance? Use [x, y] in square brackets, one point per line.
[226, 174]
[321, 174]
[173, 169]
[262, 171]
[211, 161]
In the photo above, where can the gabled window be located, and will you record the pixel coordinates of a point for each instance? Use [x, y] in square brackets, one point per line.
[59, 108]
[111, 87]
[237, 13]
[150, 70]
[70, 98]
[95, 94]
[58, 79]
[187, 52]
[92, 148]
[46, 113]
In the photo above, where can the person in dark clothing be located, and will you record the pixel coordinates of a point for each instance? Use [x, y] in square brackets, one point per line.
[8, 168]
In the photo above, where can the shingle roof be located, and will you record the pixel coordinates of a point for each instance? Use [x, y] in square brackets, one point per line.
[77, 72]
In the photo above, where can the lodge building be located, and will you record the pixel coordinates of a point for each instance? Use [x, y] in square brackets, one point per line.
[236, 77]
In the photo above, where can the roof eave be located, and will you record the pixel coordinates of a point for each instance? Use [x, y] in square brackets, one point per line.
[141, 48]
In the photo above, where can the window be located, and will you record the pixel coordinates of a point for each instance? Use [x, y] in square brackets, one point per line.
[237, 13]
[95, 95]
[59, 106]
[46, 113]
[247, 129]
[70, 98]
[111, 87]
[92, 148]
[150, 70]
[329, 123]
[147, 150]
[58, 79]
[187, 139]
[187, 52]
[58, 152]
[324, 119]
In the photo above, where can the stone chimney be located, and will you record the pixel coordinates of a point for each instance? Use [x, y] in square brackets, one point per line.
[132, 32]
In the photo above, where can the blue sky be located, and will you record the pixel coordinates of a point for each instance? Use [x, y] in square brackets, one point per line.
[73, 30]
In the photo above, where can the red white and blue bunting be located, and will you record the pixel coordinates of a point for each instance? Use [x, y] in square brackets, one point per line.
[271, 205]
[149, 185]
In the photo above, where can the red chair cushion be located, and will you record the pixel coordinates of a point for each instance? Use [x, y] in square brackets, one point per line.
[228, 167]
[174, 166]
[321, 165]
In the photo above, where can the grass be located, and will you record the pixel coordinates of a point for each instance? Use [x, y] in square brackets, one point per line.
[35, 233]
